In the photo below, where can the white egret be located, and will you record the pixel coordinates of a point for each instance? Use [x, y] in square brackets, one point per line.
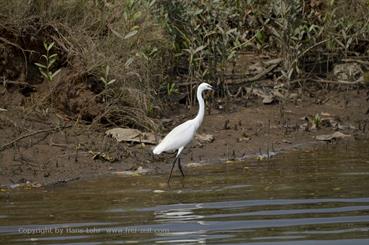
[183, 134]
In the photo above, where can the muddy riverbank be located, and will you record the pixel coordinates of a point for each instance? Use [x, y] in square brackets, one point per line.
[43, 148]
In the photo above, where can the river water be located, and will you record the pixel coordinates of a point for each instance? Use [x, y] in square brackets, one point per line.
[313, 197]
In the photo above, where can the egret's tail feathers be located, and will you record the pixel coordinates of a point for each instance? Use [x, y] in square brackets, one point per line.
[157, 150]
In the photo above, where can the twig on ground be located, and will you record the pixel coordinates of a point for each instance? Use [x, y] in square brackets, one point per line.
[3, 147]
[363, 62]
[15, 83]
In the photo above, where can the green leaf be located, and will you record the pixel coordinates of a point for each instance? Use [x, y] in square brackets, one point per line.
[116, 33]
[260, 37]
[53, 56]
[197, 12]
[340, 43]
[40, 65]
[231, 55]
[153, 51]
[50, 46]
[131, 3]
[137, 15]
[44, 74]
[103, 80]
[111, 81]
[210, 33]
[129, 62]
[199, 49]
[220, 29]
[131, 34]
[51, 62]
[55, 73]
[152, 3]
[188, 50]
[45, 45]
[142, 54]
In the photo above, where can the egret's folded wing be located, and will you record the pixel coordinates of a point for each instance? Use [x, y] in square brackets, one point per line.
[179, 137]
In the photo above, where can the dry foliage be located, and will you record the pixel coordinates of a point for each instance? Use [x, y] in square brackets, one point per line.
[89, 36]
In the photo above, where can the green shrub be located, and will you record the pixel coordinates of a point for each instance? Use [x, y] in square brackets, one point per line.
[205, 35]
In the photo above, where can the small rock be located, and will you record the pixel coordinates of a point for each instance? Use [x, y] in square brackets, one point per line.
[330, 137]
[138, 172]
[347, 71]
[230, 161]
[261, 157]
[268, 99]
[166, 120]
[204, 138]
[193, 164]
[35, 185]
[158, 191]
[243, 139]
[286, 141]
[293, 96]
[131, 135]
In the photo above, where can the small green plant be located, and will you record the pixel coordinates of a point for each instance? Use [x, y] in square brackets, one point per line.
[171, 89]
[105, 78]
[46, 69]
[317, 121]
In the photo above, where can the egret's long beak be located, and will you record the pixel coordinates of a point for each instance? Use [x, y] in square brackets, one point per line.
[214, 89]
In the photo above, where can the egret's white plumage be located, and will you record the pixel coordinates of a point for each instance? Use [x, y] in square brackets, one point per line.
[179, 137]
[183, 134]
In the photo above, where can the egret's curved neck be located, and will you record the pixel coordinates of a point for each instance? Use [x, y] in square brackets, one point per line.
[200, 115]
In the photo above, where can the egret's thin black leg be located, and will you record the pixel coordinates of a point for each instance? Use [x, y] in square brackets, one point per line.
[180, 167]
[174, 163]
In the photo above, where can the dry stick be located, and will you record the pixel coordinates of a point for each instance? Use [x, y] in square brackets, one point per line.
[256, 77]
[363, 62]
[246, 75]
[3, 147]
[15, 83]
[340, 82]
